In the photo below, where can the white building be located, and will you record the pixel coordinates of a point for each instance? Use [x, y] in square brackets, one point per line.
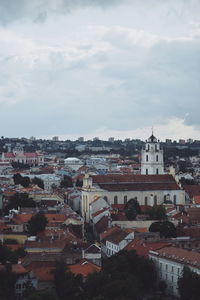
[115, 239]
[170, 262]
[73, 163]
[119, 189]
[152, 157]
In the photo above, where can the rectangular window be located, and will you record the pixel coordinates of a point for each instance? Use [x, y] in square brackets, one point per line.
[172, 269]
[166, 267]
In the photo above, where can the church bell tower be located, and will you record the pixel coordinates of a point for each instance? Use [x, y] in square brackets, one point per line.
[152, 157]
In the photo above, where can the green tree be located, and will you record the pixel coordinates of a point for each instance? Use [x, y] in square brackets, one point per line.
[165, 228]
[124, 276]
[156, 212]
[66, 182]
[188, 285]
[67, 285]
[24, 181]
[41, 295]
[19, 200]
[17, 178]
[132, 209]
[7, 283]
[37, 223]
[5, 254]
[39, 182]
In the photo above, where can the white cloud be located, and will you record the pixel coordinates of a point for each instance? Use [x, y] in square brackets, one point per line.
[126, 67]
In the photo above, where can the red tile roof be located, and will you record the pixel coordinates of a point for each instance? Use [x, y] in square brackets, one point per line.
[115, 236]
[180, 255]
[120, 182]
[21, 218]
[16, 268]
[142, 248]
[42, 269]
[84, 268]
[101, 225]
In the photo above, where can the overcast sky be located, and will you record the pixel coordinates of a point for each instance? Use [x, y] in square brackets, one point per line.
[100, 68]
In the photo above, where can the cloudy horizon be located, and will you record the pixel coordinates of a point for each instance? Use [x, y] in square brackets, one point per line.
[89, 68]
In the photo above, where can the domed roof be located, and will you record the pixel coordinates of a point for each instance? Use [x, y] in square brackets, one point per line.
[72, 159]
[152, 139]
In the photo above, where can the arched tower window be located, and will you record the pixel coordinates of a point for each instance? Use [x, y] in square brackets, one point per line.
[155, 200]
[115, 200]
[146, 171]
[147, 157]
[157, 171]
[156, 157]
[146, 201]
[105, 198]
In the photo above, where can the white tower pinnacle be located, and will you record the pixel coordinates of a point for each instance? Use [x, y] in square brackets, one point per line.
[152, 157]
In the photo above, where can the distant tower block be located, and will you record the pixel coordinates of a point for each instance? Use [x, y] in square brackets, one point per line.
[152, 157]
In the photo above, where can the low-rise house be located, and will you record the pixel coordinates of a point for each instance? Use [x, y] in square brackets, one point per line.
[115, 239]
[84, 268]
[170, 262]
[43, 271]
[93, 254]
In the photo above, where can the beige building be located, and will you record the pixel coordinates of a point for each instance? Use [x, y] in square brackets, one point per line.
[119, 189]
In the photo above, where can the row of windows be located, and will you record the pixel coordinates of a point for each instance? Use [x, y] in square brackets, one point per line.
[168, 268]
[145, 199]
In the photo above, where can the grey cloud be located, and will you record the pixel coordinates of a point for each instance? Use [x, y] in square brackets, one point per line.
[38, 10]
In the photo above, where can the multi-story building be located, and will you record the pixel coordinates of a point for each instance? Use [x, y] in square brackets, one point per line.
[170, 262]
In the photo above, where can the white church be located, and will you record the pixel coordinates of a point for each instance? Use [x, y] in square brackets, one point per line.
[152, 187]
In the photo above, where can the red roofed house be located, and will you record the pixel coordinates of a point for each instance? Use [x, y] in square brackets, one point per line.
[115, 239]
[84, 268]
[170, 262]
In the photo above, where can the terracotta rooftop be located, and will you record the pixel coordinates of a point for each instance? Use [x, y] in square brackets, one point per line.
[142, 248]
[42, 269]
[118, 178]
[16, 268]
[21, 218]
[180, 255]
[84, 268]
[102, 224]
[116, 236]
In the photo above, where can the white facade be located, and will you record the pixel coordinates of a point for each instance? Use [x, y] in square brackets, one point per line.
[170, 270]
[113, 248]
[73, 163]
[152, 158]
[91, 191]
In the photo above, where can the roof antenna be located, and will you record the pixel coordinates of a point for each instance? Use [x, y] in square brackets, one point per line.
[152, 130]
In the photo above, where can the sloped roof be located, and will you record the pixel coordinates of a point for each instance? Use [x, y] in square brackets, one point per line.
[118, 182]
[142, 248]
[84, 268]
[180, 255]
